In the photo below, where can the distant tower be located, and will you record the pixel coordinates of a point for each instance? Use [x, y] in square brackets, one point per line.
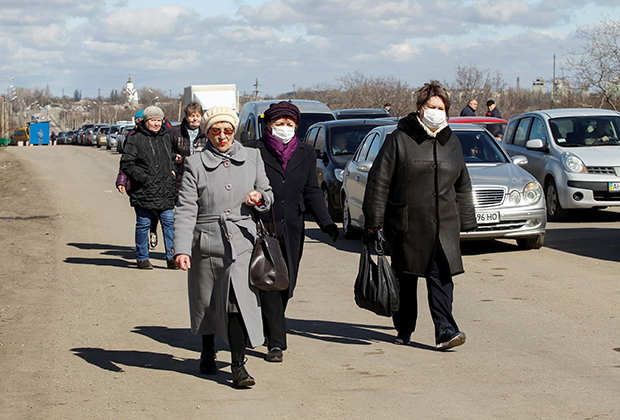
[130, 93]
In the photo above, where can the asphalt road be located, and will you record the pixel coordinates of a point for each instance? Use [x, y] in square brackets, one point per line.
[86, 335]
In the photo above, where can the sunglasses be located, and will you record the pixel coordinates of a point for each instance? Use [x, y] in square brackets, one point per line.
[216, 131]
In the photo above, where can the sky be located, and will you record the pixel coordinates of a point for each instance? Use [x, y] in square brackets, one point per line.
[285, 44]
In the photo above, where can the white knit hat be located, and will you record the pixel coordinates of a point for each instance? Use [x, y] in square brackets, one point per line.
[219, 114]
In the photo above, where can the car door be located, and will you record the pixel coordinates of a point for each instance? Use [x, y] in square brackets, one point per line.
[319, 146]
[357, 174]
[515, 144]
[537, 159]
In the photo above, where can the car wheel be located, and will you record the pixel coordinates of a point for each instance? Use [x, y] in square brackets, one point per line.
[349, 231]
[555, 212]
[330, 207]
[98, 146]
[108, 147]
[531, 243]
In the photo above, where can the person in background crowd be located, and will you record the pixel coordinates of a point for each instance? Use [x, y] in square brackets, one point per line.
[149, 164]
[492, 110]
[388, 108]
[470, 109]
[291, 168]
[419, 192]
[214, 236]
[123, 185]
[187, 138]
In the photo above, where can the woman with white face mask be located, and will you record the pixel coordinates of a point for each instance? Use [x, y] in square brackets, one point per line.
[291, 168]
[419, 192]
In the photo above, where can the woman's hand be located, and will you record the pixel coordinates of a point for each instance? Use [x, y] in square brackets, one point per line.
[183, 262]
[253, 198]
[178, 159]
[121, 189]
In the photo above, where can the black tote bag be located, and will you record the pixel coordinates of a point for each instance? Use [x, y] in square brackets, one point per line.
[376, 286]
[268, 269]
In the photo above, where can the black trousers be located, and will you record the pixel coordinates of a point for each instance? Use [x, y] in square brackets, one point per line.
[440, 293]
[273, 305]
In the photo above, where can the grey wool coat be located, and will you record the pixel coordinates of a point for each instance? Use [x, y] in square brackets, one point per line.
[214, 226]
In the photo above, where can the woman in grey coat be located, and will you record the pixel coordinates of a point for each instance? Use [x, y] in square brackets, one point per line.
[214, 235]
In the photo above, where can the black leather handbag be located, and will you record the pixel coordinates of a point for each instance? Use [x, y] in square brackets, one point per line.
[376, 286]
[268, 269]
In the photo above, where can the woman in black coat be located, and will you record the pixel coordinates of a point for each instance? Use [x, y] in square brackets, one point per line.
[291, 168]
[419, 192]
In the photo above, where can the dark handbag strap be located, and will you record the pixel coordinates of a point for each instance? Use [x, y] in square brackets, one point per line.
[271, 225]
[377, 239]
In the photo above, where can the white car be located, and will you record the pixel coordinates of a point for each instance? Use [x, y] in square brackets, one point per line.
[507, 199]
[573, 153]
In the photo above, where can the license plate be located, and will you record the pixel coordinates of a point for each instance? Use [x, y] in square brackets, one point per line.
[487, 217]
[614, 187]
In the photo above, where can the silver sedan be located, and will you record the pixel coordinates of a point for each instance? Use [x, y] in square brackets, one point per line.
[508, 200]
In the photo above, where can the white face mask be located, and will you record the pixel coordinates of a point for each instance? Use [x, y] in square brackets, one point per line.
[433, 118]
[283, 133]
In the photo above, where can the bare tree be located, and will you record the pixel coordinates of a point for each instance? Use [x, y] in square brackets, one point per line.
[596, 63]
[473, 82]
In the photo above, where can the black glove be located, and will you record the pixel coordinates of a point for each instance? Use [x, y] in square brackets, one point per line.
[332, 230]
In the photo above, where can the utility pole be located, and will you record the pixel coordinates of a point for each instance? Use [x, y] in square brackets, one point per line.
[256, 90]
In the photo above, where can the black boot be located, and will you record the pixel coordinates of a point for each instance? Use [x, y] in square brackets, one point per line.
[241, 377]
[207, 356]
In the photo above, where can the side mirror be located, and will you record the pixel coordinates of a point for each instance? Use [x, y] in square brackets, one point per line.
[519, 160]
[244, 136]
[319, 154]
[536, 144]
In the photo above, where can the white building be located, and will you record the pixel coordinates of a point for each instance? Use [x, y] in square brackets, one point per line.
[539, 86]
[131, 94]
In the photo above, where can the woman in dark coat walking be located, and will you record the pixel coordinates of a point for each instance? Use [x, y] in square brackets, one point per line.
[149, 164]
[419, 192]
[291, 168]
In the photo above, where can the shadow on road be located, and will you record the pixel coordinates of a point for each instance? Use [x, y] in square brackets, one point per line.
[113, 360]
[600, 243]
[126, 253]
[181, 338]
[342, 244]
[344, 333]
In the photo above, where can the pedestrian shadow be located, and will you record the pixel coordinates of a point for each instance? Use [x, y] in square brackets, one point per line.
[114, 360]
[180, 338]
[345, 333]
[342, 244]
[124, 255]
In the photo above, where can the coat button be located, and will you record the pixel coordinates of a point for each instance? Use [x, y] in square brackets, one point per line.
[433, 167]
[229, 260]
[230, 236]
[434, 194]
[228, 186]
[228, 211]
[226, 164]
[435, 221]
[283, 201]
[284, 181]
[282, 221]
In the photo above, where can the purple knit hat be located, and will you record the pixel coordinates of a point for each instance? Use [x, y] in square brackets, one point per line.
[282, 109]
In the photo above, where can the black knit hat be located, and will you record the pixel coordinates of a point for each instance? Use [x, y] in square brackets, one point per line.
[282, 109]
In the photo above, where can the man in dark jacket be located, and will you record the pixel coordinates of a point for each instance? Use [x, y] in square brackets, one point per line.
[187, 138]
[470, 109]
[149, 164]
[419, 192]
[290, 165]
[492, 110]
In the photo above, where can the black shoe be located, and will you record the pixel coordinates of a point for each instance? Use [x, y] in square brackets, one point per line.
[449, 338]
[274, 355]
[153, 240]
[402, 339]
[207, 362]
[145, 265]
[172, 265]
[241, 377]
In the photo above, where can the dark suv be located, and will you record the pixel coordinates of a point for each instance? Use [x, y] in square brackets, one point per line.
[335, 142]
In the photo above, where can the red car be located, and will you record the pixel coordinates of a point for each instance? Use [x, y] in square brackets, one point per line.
[495, 126]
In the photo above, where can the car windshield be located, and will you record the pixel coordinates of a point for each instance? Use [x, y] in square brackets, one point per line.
[479, 147]
[345, 140]
[585, 131]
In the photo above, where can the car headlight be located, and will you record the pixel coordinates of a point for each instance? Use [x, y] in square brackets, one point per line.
[514, 197]
[573, 164]
[532, 192]
[339, 173]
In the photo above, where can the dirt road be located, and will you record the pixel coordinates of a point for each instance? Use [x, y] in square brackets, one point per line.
[85, 335]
